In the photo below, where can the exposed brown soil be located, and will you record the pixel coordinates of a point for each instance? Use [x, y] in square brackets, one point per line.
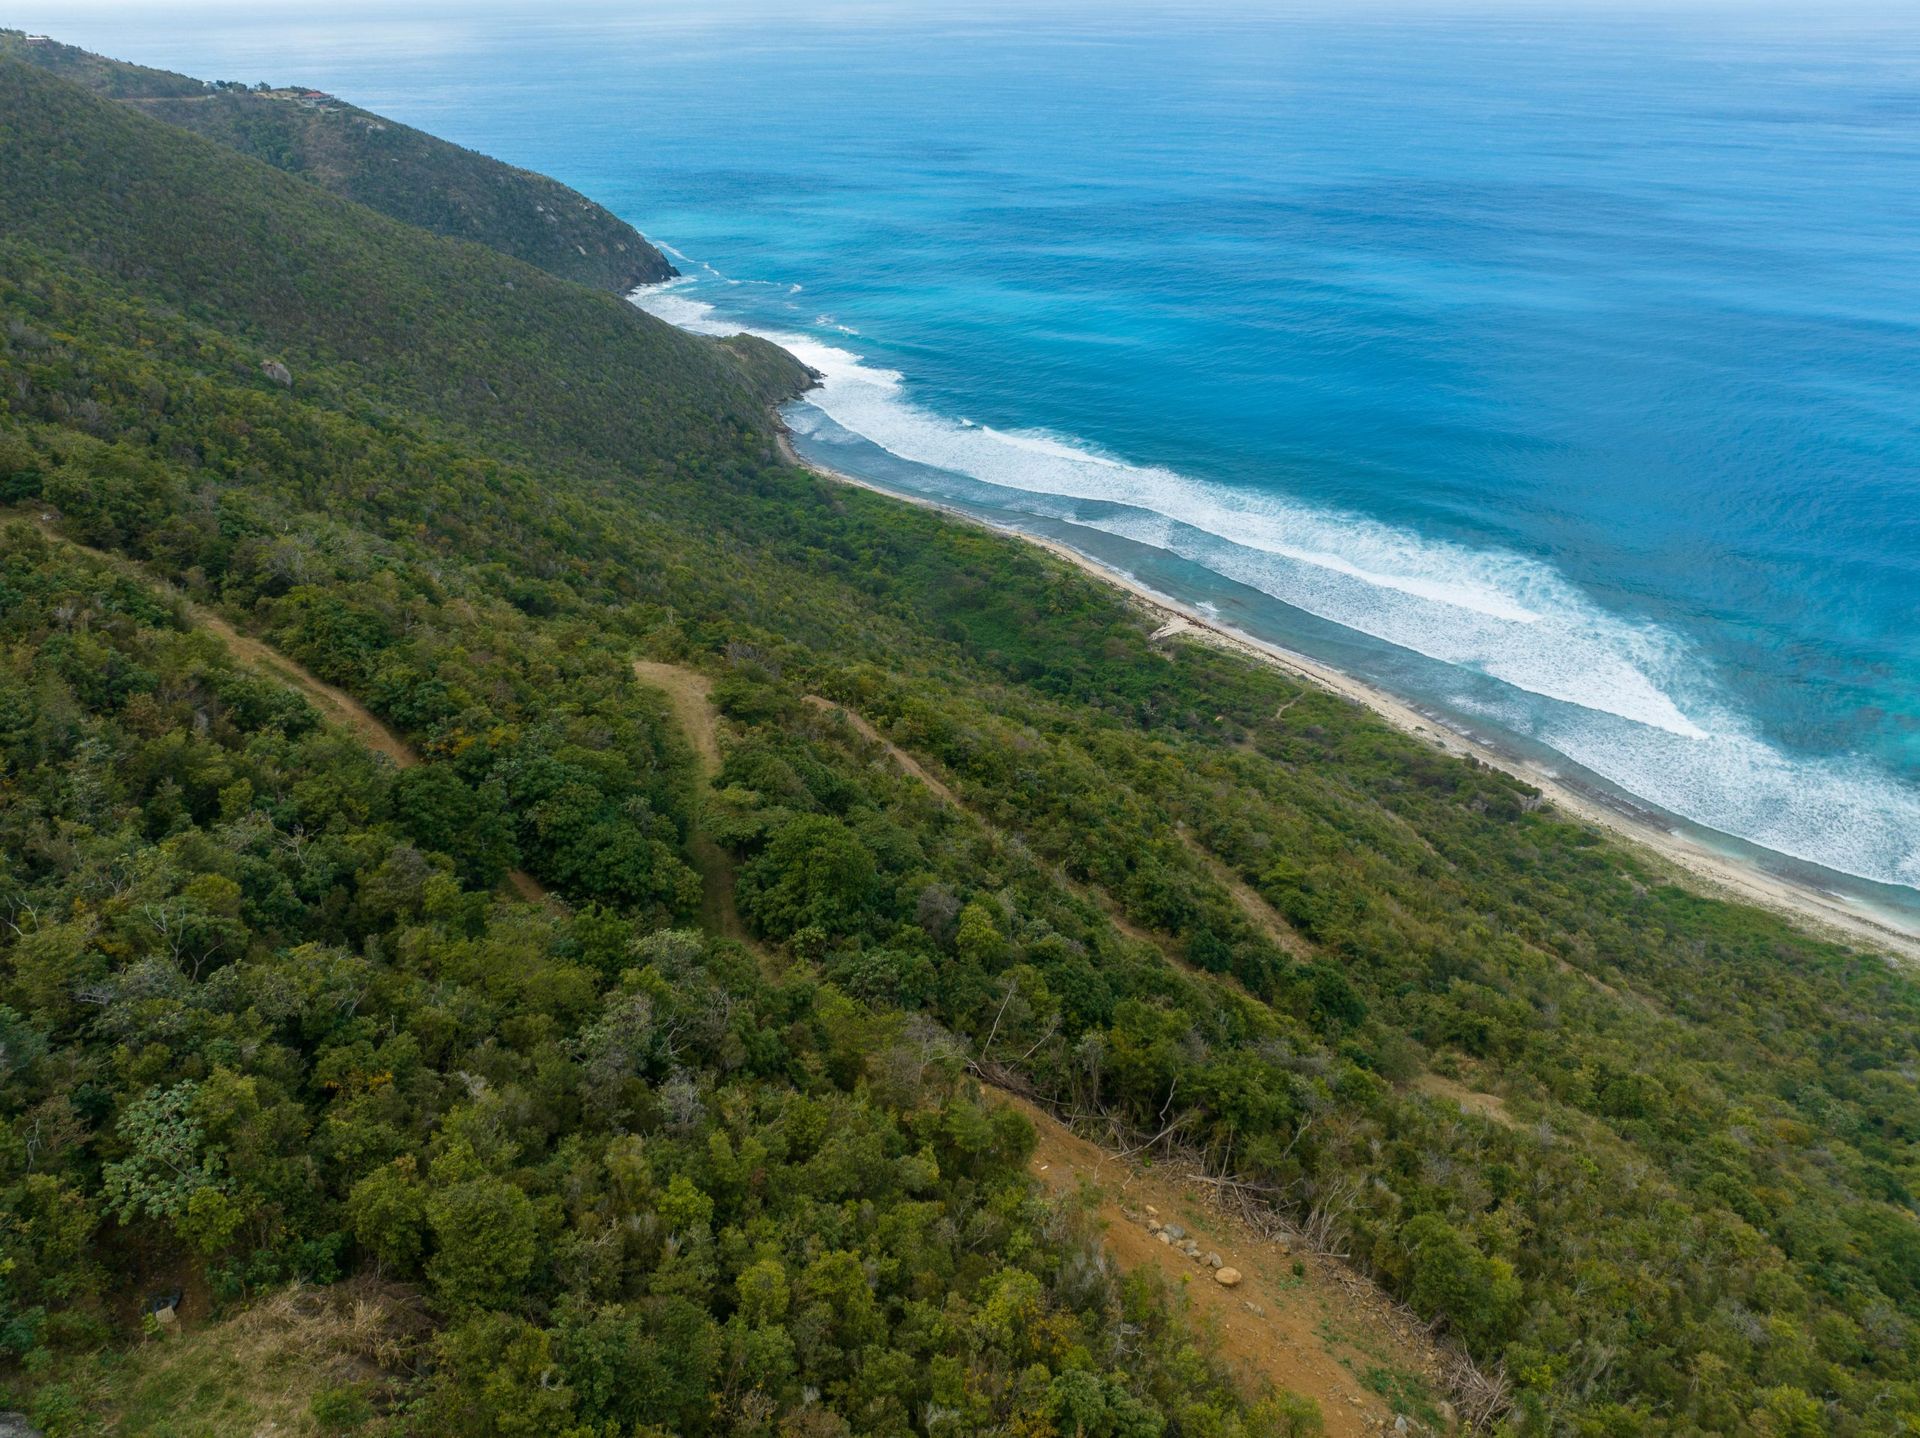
[1319, 1332]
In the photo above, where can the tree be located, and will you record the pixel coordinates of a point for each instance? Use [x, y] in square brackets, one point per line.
[484, 1232]
[168, 1160]
[1448, 1275]
[388, 1212]
[815, 872]
[467, 822]
[763, 1292]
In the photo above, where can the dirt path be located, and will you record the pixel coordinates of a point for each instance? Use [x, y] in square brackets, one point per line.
[340, 707]
[690, 696]
[528, 887]
[907, 763]
[1324, 1331]
[1098, 897]
[334, 703]
[1263, 915]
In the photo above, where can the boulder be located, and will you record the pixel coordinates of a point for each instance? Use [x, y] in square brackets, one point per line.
[277, 372]
[1227, 1277]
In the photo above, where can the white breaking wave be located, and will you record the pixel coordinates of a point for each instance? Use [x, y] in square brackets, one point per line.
[1503, 615]
[1842, 814]
[1509, 617]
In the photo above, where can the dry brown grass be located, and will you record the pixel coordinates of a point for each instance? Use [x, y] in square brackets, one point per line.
[257, 1373]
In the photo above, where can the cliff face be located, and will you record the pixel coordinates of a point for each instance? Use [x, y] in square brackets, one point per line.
[395, 169]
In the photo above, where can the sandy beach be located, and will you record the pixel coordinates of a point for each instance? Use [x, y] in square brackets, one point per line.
[1690, 862]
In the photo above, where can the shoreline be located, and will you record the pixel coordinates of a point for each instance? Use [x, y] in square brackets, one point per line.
[1720, 876]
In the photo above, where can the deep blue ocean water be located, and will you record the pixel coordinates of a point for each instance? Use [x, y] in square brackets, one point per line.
[1560, 372]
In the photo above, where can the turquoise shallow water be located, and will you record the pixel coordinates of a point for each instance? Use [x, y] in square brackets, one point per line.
[1562, 374]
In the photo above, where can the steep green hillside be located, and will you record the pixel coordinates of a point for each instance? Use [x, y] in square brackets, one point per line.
[387, 166]
[264, 1018]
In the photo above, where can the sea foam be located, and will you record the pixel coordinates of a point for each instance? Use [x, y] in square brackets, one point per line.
[1626, 698]
[1510, 617]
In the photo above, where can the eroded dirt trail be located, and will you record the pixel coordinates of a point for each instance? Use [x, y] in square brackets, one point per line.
[906, 762]
[1259, 912]
[690, 696]
[1324, 1331]
[341, 708]
[334, 703]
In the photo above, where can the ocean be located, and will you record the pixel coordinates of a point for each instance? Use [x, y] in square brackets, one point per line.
[1556, 370]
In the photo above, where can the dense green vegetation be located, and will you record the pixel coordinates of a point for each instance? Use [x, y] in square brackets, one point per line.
[387, 166]
[611, 1150]
[264, 1019]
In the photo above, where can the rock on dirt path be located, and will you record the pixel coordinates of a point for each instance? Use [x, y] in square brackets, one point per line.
[1319, 1332]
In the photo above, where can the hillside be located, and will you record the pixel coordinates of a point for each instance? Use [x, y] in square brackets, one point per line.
[700, 1147]
[393, 168]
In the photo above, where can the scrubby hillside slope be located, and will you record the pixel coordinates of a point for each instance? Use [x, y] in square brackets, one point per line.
[393, 168]
[266, 1016]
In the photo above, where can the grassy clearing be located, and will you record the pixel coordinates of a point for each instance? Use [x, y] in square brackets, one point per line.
[305, 1361]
